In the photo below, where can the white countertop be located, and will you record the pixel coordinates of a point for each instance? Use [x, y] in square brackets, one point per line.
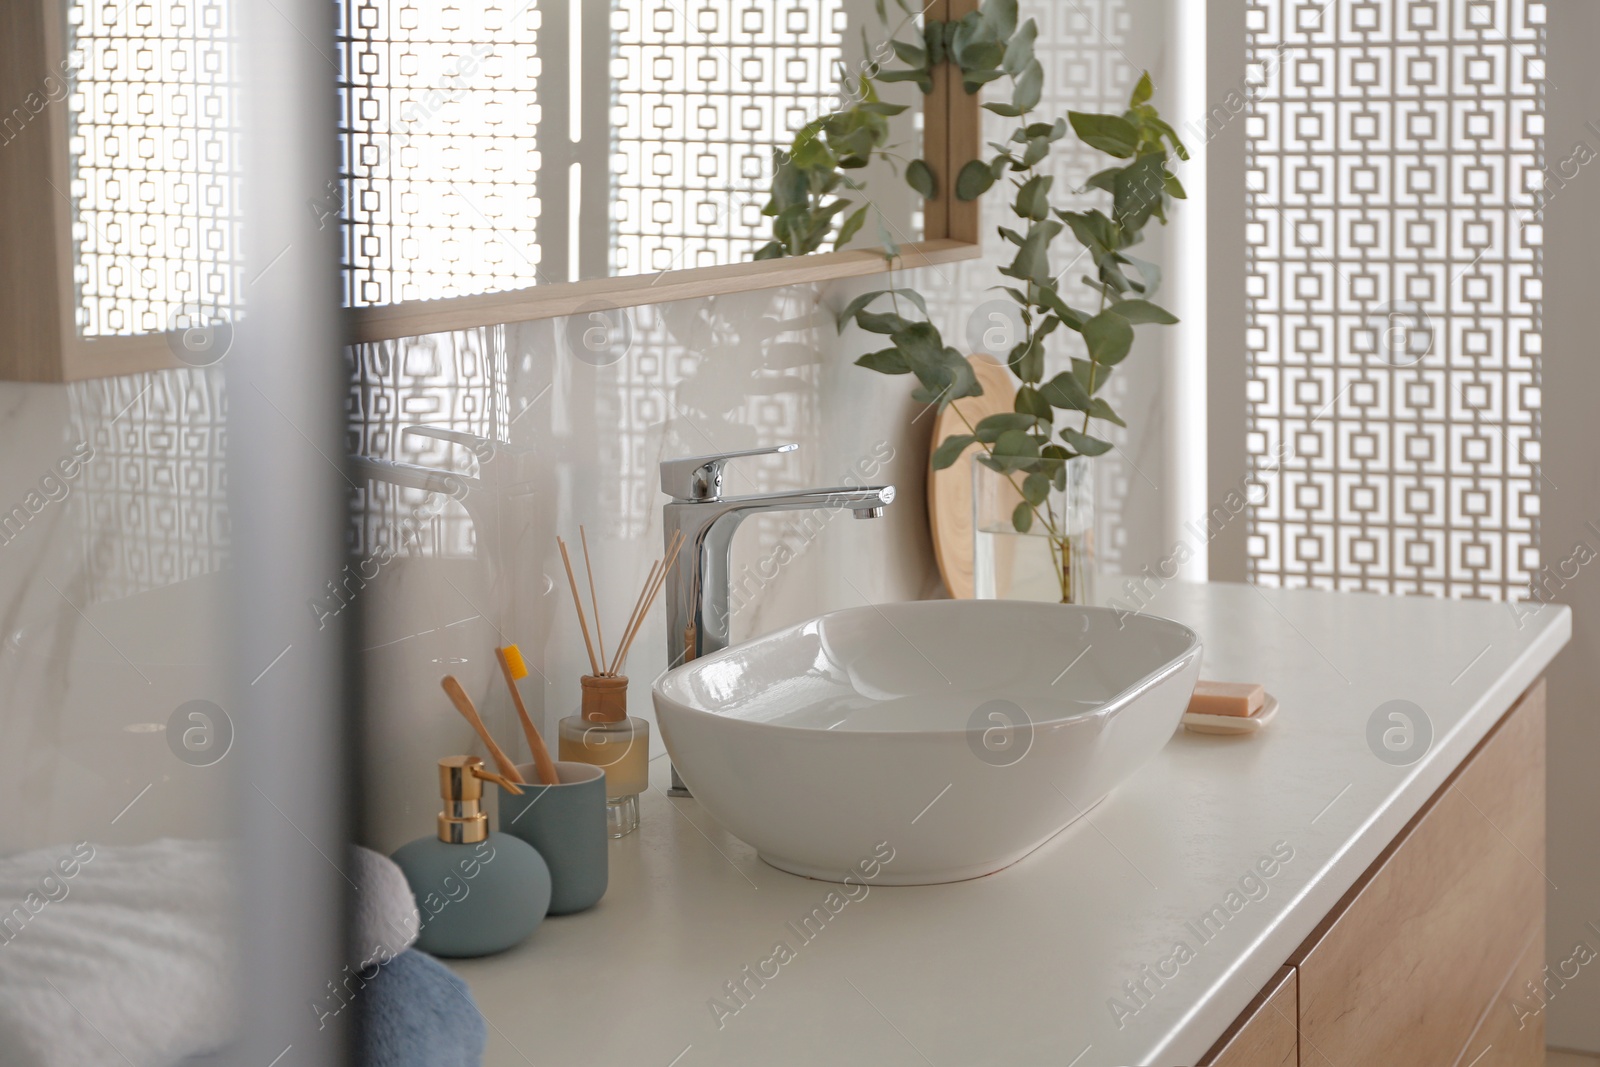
[1019, 968]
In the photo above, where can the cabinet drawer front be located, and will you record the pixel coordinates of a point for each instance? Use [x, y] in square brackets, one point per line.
[1264, 1036]
[1406, 970]
[1512, 1031]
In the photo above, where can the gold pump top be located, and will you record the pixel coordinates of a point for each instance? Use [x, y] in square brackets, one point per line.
[461, 778]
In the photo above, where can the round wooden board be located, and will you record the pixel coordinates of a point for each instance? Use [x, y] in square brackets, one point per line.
[950, 490]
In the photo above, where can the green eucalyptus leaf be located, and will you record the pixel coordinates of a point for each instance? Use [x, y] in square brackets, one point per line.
[1030, 402]
[1093, 230]
[974, 180]
[1085, 445]
[1109, 337]
[1022, 518]
[914, 75]
[1033, 255]
[935, 41]
[920, 177]
[1054, 452]
[910, 54]
[1033, 199]
[1030, 87]
[886, 239]
[1019, 50]
[982, 55]
[1037, 149]
[922, 345]
[973, 80]
[1142, 91]
[1139, 189]
[913, 296]
[1001, 17]
[1009, 111]
[1099, 409]
[1011, 235]
[963, 379]
[1149, 272]
[1174, 187]
[1092, 376]
[1105, 179]
[1142, 311]
[770, 250]
[1065, 391]
[1050, 299]
[1027, 359]
[885, 323]
[1171, 135]
[1017, 444]
[851, 227]
[1036, 488]
[886, 361]
[879, 107]
[1110, 134]
[950, 450]
[990, 428]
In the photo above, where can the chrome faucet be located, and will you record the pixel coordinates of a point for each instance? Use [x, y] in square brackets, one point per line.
[699, 591]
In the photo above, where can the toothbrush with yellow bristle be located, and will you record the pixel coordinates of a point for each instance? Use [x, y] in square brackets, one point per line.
[514, 667]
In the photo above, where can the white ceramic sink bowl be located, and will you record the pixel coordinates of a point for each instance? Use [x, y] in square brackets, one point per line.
[960, 734]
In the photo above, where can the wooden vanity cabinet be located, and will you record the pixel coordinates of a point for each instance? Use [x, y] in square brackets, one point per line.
[1425, 960]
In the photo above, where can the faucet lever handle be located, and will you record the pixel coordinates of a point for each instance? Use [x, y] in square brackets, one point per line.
[700, 477]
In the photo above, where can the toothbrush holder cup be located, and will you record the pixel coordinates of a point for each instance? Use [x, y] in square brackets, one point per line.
[566, 823]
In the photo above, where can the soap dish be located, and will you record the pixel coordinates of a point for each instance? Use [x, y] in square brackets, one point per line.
[1233, 724]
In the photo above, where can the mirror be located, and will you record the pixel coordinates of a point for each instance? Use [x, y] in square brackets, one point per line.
[499, 163]
[493, 148]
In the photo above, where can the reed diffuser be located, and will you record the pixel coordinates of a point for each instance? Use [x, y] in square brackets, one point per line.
[603, 734]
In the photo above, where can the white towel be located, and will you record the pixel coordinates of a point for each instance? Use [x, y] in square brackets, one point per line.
[111, 955]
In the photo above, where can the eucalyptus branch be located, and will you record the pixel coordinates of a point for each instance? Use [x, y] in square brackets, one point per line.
[984, 46]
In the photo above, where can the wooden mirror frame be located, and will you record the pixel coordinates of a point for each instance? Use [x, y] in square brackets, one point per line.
[39, 339]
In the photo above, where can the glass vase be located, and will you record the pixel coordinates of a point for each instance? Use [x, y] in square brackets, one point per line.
[1039, 550]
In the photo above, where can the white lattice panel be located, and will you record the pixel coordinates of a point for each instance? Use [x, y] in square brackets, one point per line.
[153, 143]
[1394, 178]
[440, 117]
[702, 93]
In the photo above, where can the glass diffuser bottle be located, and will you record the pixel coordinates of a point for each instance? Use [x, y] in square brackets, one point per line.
[604, 735]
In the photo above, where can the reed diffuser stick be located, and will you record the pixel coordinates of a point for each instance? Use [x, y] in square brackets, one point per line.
[651, 577]
[577, 602]
[654, 587]
[599, 633]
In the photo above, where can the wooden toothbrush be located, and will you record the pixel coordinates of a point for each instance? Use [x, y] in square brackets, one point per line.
[514, 667]
[458, 697]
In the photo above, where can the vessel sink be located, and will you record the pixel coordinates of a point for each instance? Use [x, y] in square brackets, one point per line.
[954, 736]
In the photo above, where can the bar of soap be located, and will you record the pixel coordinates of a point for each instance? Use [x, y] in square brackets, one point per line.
[1241, 699]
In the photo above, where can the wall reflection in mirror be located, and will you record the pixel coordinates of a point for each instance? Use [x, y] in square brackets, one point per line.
[499, 147]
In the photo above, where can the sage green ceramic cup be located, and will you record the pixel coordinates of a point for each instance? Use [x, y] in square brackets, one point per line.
[566, 823]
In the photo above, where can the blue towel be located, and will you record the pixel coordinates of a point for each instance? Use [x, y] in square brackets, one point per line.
[419, 1014]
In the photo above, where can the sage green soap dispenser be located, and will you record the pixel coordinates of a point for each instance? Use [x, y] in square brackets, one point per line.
[479, 892]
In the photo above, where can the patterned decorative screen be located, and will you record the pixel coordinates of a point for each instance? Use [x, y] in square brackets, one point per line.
[699, 93]
[483, 154]
[440, 114]
[1395, 172]
[155, 178]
